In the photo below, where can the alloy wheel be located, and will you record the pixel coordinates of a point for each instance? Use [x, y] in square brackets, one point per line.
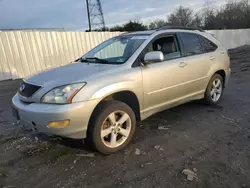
[116, 129]
[216, 90]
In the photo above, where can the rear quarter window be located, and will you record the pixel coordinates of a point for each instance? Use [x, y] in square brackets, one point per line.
[207, 45]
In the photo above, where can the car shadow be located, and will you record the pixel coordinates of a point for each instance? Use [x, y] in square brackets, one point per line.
[79, 144]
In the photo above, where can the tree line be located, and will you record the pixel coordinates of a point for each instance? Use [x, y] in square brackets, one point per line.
[233, 15]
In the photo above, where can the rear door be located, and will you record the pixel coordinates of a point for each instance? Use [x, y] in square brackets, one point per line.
[216, 55]
[197, 63]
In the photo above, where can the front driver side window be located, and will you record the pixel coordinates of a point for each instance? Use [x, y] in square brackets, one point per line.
[167, 45]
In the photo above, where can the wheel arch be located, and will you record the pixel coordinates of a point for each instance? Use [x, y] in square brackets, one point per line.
[222, 73]
[126, 96]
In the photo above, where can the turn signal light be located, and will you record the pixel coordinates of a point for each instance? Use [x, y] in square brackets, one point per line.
[58, 124]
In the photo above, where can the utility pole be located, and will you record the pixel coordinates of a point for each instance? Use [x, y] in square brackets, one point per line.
[95, 15]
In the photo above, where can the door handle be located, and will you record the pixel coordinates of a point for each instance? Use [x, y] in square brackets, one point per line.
[212, 58]
[183, 64]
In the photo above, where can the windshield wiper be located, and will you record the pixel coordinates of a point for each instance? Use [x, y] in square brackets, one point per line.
[96, 59]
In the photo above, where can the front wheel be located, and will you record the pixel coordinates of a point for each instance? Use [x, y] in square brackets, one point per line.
[214, 90]
[112, 127]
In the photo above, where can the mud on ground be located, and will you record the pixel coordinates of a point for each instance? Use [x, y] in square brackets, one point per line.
[215, 141]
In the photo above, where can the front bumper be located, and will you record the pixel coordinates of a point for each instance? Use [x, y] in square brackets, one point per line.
[40, 115]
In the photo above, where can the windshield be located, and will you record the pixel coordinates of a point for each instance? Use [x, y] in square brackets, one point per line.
[115, 51]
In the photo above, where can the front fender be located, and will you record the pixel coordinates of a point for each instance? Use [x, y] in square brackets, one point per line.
[100, 91]
[116, 87]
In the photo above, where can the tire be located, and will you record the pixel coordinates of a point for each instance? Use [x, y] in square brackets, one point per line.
[214, 94]
[106, 119]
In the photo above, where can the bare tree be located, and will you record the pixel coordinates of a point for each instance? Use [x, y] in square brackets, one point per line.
[234, 15]
[130, 26]
[209, 16]
[197, 21]
[157, 24]
[182, 16]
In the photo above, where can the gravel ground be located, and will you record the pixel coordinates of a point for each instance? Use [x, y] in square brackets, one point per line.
[213, 142]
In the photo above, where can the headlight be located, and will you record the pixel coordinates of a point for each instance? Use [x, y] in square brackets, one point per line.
[63, 94]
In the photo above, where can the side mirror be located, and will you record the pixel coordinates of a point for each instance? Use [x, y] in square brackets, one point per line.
[154, 57]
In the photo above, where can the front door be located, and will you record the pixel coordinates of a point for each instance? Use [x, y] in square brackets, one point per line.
[163, 83]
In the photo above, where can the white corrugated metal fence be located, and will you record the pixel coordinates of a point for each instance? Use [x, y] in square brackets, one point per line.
[26, 53]
[232, 38]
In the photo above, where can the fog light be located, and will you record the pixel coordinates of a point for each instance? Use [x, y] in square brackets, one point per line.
[58, 124]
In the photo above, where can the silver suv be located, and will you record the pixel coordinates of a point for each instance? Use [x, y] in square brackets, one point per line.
[125, 79]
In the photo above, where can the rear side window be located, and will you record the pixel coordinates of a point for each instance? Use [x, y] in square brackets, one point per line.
[191, 43]
[207, 45]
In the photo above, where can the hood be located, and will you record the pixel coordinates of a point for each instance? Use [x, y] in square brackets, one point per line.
[75, 72]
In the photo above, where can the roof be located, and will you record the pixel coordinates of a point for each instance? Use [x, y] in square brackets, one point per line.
[148, 32]
[166, 28]
[174, 30]
[181, 28]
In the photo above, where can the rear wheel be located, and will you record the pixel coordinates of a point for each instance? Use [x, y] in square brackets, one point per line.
[112, 127]
[214, 90]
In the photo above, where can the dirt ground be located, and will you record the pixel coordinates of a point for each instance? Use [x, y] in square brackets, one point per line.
[213, 140]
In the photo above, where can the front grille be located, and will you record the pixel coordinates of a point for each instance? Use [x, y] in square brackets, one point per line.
[27, 90]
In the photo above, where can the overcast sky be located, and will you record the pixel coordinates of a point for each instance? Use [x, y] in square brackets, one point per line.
[71, 14]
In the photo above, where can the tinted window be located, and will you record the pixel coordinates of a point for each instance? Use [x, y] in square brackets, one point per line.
[192, 45]
[207, 45]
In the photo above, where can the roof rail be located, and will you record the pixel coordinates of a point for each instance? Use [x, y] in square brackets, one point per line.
[180, 27]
